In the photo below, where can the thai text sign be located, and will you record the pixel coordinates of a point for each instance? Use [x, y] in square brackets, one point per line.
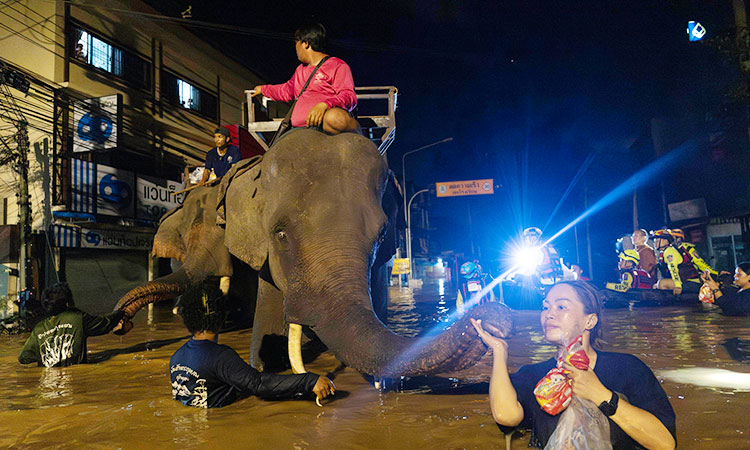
[156, 196]
[115, 239]
[468, 187]
[400, 266]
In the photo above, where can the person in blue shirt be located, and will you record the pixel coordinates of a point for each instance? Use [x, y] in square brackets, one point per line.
[222, 157]
[206, 374]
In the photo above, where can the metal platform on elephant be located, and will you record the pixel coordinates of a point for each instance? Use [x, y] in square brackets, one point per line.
[375, 112]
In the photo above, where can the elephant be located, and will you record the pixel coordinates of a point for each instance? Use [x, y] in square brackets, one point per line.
[315, 219]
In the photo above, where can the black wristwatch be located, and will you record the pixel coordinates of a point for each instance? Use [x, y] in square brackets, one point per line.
[610, 408]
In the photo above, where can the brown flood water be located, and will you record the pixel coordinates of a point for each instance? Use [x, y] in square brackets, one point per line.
[124, 399]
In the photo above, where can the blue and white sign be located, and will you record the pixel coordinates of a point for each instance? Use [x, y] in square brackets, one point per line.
[114, 191]
[96, 123]
[695, 31]
[65, 235]
[155, 197]
[82, 186]
[108, 239]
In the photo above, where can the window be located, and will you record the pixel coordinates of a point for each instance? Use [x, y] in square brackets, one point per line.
[177, 91]
[89, 49]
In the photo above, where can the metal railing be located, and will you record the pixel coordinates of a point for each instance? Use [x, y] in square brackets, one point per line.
[380, 128]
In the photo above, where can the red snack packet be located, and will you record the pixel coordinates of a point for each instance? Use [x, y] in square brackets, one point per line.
[554, 391]
[576, 356]
[706, 294]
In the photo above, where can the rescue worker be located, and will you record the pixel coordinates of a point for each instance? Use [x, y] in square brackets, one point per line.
[551, 268]
[472, 281]
[680, 261]
[631, 277]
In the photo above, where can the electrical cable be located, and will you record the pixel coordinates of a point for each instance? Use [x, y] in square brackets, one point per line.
[35, 22]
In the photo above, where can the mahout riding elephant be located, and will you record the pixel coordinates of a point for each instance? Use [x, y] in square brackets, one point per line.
[311, 219]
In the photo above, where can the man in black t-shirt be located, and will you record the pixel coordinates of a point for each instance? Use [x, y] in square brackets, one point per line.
[206, 374]
[222, 157]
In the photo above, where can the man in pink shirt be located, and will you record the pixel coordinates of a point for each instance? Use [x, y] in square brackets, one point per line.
[329, 98]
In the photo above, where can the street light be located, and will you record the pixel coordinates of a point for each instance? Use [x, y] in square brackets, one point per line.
[403, 168]
[408, 230]
[403, 184]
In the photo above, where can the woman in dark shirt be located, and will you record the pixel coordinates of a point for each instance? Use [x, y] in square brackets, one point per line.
[733, 302]
[625, 389]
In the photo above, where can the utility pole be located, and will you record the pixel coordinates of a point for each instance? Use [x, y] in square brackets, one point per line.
[24, 207]
[19, 159]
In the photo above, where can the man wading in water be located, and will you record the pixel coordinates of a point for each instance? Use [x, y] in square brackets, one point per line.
[206, 374]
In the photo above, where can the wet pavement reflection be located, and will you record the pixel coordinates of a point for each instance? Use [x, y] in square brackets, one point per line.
[124, 399]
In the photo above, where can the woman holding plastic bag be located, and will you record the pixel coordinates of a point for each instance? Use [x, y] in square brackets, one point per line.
[591, 383]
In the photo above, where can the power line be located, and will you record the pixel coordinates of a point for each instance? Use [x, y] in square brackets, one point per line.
[344, 43]
[35, 22]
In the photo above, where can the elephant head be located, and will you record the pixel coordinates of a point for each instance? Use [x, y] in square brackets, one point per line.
[311, 214]
[190, 234]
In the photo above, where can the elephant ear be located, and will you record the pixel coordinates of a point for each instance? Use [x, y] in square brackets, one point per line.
[391, 201]
[240, 208]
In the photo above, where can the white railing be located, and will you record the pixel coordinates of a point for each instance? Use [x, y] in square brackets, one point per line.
[380, 128]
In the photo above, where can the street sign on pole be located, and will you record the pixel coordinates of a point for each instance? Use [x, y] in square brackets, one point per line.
[467, 187]
[400, 266]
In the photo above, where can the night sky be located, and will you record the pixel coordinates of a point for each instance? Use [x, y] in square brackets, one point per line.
[528, 90]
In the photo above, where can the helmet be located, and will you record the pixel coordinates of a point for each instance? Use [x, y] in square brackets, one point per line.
[469, 269]
[677, 234]
[532, 232]
[630, 255]
[663, 234]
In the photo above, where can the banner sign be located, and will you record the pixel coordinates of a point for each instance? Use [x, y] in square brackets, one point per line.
[108, 239]
[400, 266]
[114, 191]
[82, 186]
[100, 189]
[154, 197]
[65, 236]
[468, 187]
[96, 123]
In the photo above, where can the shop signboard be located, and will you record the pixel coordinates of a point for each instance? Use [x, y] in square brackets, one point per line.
[467, 187]
[109, 239]
[155, 197]
[96, 123]
[114, 191]
[82, 186]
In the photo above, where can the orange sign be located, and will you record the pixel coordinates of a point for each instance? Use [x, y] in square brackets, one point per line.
[468, 187]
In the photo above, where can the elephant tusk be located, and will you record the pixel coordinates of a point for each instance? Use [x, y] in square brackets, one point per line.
[295, 348]
[224, 285]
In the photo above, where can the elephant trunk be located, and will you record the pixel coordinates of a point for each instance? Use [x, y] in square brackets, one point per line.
[163, 288]
[361, 341]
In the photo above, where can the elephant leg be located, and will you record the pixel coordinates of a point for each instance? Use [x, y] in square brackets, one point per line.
[268, 344]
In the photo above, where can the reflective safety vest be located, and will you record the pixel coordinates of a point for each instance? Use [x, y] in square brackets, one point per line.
[683, 263]
[631, 279]
[694, 264]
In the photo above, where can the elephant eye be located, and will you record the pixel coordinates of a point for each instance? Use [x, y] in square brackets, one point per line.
[281, 235]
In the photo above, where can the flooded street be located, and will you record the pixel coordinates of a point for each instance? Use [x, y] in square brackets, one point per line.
[124, 400]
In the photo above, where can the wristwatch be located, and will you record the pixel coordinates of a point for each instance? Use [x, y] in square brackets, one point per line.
[609, 408]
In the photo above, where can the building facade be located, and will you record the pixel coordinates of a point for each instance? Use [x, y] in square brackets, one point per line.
[116, 101]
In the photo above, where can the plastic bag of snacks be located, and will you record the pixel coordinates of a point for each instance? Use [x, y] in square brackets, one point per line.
[581, 427]
[554, 390]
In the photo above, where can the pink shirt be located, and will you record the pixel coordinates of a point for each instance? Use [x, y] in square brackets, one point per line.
[332, 84]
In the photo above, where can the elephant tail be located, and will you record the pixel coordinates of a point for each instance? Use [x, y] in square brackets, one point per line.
[163, 288]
